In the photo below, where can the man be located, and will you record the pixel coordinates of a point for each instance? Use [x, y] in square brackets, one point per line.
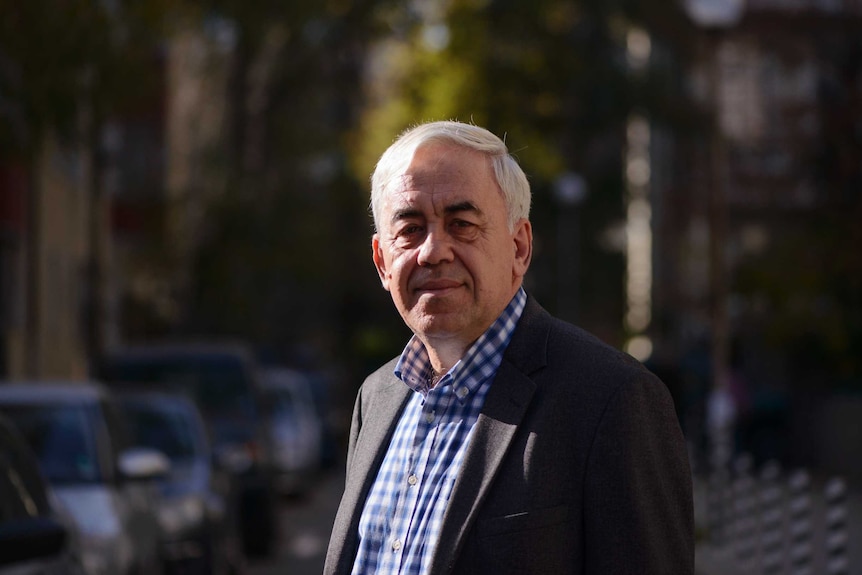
[502, 440]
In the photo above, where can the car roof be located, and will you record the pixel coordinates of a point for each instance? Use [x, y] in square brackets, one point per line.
[55, 391]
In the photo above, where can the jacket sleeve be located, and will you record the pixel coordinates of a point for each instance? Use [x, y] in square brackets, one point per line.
[639, 514]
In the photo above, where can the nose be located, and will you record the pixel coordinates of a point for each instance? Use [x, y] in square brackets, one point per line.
[436, 248]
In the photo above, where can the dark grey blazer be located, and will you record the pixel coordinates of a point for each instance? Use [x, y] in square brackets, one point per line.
[577, 465]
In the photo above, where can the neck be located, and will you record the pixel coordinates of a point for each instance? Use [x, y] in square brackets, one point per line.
[443, 357]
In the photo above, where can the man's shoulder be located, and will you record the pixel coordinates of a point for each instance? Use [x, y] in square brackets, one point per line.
[570, 339]
[574, 368]
[567, 346]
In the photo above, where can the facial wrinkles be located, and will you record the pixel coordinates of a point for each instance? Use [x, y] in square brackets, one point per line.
[429, 199]
[441, 178]
[412, 188]
[442, 227]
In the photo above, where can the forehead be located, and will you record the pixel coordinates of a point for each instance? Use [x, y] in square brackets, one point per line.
[443, 172]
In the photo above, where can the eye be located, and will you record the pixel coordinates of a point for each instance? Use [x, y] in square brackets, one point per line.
[410, 230]
[462, 228]
[408, 234]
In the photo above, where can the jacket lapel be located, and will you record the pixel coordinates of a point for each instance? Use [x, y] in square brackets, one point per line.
[378, 425]
[378, 420]
[505, 406]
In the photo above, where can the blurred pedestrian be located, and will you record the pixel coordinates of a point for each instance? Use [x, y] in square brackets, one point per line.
[502, 440]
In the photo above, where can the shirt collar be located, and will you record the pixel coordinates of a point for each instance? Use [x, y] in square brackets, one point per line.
[478, 364]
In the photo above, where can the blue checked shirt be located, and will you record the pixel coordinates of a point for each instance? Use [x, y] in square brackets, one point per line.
[400, 523]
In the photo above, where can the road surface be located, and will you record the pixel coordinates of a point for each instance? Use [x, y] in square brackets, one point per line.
[305, 525]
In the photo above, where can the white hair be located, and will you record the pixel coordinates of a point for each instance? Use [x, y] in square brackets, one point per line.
[509, 175]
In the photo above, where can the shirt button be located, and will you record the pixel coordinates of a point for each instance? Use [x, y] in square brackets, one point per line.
[396, 545]
[462, 392]
[412, 480]
[429, 417]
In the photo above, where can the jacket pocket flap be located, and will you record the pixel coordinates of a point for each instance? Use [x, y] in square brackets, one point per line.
[527, 520]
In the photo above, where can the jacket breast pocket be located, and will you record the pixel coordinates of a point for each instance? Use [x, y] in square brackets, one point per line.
[535, 542]
[526, 521]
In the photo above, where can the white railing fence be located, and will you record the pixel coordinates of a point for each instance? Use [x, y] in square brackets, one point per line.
[774, 522]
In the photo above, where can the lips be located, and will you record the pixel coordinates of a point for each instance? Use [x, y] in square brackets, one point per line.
[436, 286]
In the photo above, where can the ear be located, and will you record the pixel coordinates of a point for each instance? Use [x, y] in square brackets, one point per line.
[523, 241]
[379, 261]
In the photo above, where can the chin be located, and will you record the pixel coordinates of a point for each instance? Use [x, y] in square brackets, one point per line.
[437, 326]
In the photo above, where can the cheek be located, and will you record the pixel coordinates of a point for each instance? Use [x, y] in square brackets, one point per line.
[493, 273]
[399, 273]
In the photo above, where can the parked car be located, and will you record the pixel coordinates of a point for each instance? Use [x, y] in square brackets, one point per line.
[296, 428]
[33, 539]
[198, 524]
[222, 380]
[104, 483]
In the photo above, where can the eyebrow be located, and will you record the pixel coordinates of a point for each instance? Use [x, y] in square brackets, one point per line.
[464, 206]
[406, 214]
[409, 213]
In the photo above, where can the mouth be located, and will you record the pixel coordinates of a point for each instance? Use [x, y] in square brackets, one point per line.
[437, 287]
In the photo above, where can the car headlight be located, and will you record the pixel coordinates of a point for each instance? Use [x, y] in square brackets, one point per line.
[180, 514]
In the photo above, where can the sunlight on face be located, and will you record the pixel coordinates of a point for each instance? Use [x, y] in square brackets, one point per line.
[444, 249]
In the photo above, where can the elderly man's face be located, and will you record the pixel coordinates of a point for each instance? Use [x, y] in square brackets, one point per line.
[444, 250]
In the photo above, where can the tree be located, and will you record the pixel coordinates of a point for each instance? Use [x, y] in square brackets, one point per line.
[282, 260]
[552, 77]
[65, 67]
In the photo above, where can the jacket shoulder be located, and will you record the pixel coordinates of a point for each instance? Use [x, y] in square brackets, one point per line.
[542, 340]
[567, 342]
[555, 352]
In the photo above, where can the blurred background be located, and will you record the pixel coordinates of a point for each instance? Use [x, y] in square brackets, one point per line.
[178, 171]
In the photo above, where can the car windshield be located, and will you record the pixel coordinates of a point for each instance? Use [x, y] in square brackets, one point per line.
[167, 430]
[63, 439]
[218, 385]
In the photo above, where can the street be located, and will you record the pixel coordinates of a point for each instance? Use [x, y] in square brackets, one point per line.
[305, 525]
